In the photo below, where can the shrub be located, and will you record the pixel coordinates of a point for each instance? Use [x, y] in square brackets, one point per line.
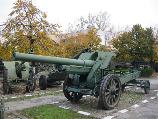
[147, 72]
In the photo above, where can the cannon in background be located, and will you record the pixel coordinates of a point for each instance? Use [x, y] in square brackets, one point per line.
[13, 72]
[91, 73]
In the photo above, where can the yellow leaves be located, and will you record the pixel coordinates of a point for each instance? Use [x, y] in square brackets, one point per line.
[28, 25]
[44, 15]
[43, 46]
[156, 50]
[68, 47]
[73, 44]
[0, 50]
[28, 28]
[6, 52]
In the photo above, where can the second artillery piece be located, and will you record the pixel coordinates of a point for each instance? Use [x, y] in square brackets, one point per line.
[13, 72]
[91, 73]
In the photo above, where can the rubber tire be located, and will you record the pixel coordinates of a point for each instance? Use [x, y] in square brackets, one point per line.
[102, 103]
[7, 89]
[147, 87]
[43, 82]
[76, 98]
[28, 90]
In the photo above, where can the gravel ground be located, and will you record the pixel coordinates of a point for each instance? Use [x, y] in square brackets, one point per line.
[20, 105]
[145, 111]
[15, 106]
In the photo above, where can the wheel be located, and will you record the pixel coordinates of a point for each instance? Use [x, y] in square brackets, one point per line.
[71, 96]
[146, 87]
[6, 85]
[7, 88]
[43, 82]
[110, 91]
[31, 82]
[30, 86]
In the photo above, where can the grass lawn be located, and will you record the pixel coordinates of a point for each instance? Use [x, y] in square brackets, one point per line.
[51, 112]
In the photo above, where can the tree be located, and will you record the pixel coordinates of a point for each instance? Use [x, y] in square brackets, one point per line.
[99, 21]
[0, 49]
[135, 45]
[6, 52]
[27, 28]
[156, 50]
[156, 43]
[73, 44]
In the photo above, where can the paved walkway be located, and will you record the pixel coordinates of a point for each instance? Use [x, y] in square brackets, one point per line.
[148, 110]
[19, 105]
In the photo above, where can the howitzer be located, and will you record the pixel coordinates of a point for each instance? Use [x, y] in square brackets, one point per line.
[12, 72]
[92, 73]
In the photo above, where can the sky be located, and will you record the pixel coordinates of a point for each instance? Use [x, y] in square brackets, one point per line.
[122, 12]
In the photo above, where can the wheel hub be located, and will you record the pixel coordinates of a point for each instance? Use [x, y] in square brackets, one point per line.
[112, 92]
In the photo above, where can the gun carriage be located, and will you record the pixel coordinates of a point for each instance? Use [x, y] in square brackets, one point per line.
[91, 73]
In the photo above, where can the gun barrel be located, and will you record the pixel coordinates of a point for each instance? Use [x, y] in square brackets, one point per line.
[51, 60]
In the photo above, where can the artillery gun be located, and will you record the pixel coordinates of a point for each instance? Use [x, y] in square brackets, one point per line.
[91, 73]
[48, 75]
[12, 72]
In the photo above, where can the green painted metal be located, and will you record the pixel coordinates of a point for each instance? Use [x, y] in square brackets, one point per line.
[77, 69]
[88, 64]
[128, 76]
[51, 60]
[12, 75]
[88, 74]
[13, 72]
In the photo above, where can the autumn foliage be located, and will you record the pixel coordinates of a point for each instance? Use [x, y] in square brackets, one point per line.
[135, 45]
[25, 29]
[73, 44]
